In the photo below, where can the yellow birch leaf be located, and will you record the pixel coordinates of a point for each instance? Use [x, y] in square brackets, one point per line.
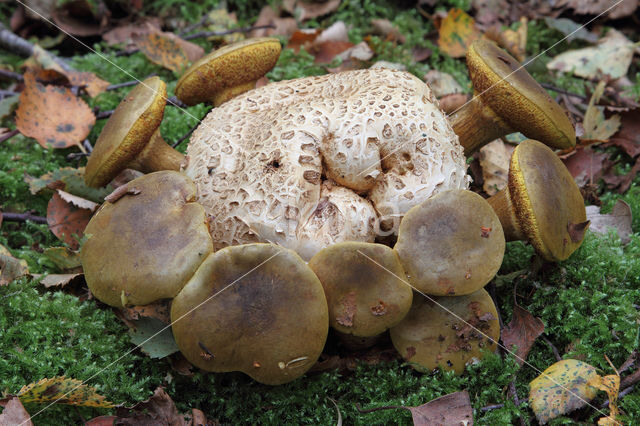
[611, 385]
[595, 126]
[63, 390]
[457, 32]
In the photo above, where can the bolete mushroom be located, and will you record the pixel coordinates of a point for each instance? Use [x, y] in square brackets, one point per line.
[131, 137]
[228, 71]
[255, 308]
[447, 332]
[541, 203]
[506, 100]
[146, 244]
[269, 162]
[364, 286]
[451, 244]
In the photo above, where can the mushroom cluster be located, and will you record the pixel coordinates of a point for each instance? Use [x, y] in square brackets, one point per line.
[266, 237]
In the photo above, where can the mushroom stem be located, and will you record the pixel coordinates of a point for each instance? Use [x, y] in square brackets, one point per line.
[157, 155]
[501, 204]
[476, 124]
[231, 92]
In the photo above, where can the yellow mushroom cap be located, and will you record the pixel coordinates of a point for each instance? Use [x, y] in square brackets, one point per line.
[451, 244]
[127, 131]
[516, 97]
[255, 308]
[234, 65]
[364, 286]
[447, 332]
[145, 245]
[547, 203]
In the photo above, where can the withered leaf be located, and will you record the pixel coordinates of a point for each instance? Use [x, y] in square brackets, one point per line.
[66, 220]
[522, 331]
[457, 31]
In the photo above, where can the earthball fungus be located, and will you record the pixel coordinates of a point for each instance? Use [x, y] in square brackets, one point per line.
[255, 308]
[309, 162]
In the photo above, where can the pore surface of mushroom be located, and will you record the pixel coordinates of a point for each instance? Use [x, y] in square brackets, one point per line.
[260, 159]
[255, 308]
[447, 332]
[145, 245]
[542, 203]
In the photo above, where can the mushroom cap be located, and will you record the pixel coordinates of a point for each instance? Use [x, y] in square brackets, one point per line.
[233, 65]
[127, 131]
[546, 200]
[516, 97]
[145, 245]
[447, 332]
[364, 286]
[255, 308]
[259, 160]
[451, 244]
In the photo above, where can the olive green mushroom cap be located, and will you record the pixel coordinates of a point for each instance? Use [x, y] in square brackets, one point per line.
[145, 245]
[547, 202]
[255, 308]
[451, 244]
[233, 69]
[364, 286]
[127, 131]
[447, 332]
[516, 97]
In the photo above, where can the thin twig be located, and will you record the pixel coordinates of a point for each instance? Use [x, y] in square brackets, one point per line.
[121, 85]
[492, 407]
[87, 146]
[186, 135]
[386, 407]
[22, 217]
[7, 93]
[16, 44]
[556, 354]
[11, 75]
[564, 92]
[8, 135]
[192, 27]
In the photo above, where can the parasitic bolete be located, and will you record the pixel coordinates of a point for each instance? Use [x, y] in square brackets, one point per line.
[541, 203]
[506, 100]
[228, 71]
[255, 308]
[131, 137]
[447, 332]
[147, 242]
[451, 244]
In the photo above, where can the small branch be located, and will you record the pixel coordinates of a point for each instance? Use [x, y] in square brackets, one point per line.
[23, 217]
[8, 135]
[192, 27]
[564, 92]
[386, 407]
[556, 354]
[16, 44]
[10, 75]
[186, 135]
[87, 146]
[121, 85]
[492, 407]
[7, 93]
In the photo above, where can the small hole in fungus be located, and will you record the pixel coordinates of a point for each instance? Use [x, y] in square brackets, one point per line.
[505, 60]
[274, 164]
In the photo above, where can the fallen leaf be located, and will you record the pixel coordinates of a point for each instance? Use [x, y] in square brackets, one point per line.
[451, 103]
[611, 385]
[385, 28]
[66, 220]
[457, 31]
[442, 83]
[561, 388]
[572, 30]
[283, 26]
[153, 337]
[490, 12]
[515, 42]
[157, 410]
[336, 32]
[619, 219]
[596, 7]
[495, 158]
[60, 280]
[628, 137]
[63, 390]
[77, 201]
[220, 20]
[102, 421]
[522, 331]
[586, 165]
[10, 267]
[159, 310]
[302, 38]
[126, 32]
[611, 57]
[163, 49]
[389, 65]
[64, 258]
[622, 182]
[52, 115]
[82, 17]
[326, 51]
[14, 413]
[91, 83]
[305, 11]
[71, 180]
[353, 58]
[596, 127]
[8, 105]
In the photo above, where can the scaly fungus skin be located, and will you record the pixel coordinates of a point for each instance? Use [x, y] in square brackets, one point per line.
[260, 159]
[145, 245]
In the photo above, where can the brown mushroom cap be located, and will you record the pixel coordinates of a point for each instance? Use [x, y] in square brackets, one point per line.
[255, 308]
[547, 205]
[451, 244]
[430, 336]
[145, 245]
[131, 136]
[228, 71]
[516, 97]
[259, 160]
[364, 286]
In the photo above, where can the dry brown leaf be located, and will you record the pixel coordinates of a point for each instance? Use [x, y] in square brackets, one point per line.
[619, 219]
[451, 103]
[52, 115]
[302, 38]
[385, 28]
[596, 7]
[326, 51]
[78, 201]
[158, 310]
[336, 32]
[586, 165]
[125, 33]
[14, 413]
[157, 410]
[494, 160]
[522, 331]
[283, 26]
[63, 390]
[305, 11]
[515, 42]
[595, 126]
[66, 220]
[60, 280]
[442, 83]
[628, 137]
[457, 31]
[163, 49]
[10, 267]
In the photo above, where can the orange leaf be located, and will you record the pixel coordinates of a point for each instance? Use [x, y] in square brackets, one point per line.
[63, 390]
[457, 32]
[65, 219]
[164, 50]
[52, 115]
